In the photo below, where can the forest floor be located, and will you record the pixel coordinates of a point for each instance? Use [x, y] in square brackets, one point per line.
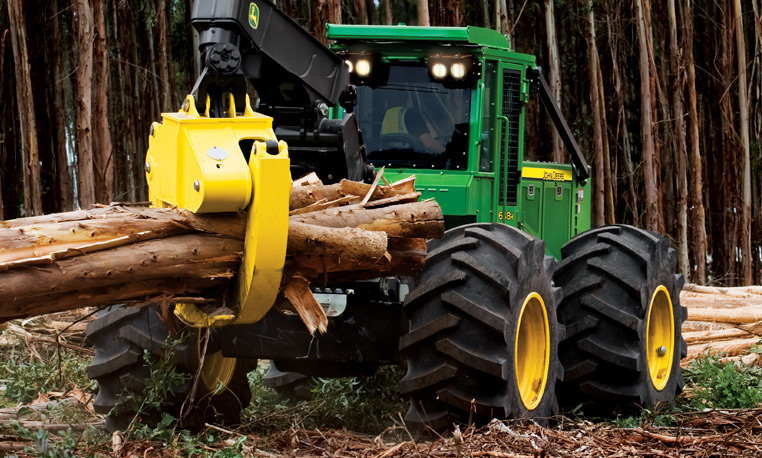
[46, 410]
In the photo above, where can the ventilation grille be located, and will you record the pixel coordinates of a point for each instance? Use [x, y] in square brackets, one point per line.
[509, 157]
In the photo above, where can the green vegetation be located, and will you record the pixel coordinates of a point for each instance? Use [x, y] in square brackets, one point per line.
[26, 380]
[716, 384]
[364, 404]
[163, 381]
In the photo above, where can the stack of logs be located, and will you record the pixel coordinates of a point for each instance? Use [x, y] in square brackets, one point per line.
[135, 254]
[725, 321]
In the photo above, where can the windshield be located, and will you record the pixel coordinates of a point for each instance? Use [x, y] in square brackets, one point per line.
[413, 122]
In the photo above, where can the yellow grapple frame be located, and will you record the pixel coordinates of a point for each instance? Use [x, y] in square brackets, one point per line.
[196, 163]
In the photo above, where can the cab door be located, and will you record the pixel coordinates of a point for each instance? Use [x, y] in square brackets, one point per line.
[510, 105]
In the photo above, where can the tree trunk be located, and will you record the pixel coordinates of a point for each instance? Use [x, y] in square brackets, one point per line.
[423, 13]
[622, 117]
[163, 53]
[387, 9]
[698, 221]
[681, 150]
[66, 190]
[25, 103]
[646, 124]
[743, 106]
[103, 157]
[554, 73]
[485, 14]
[595, 103]
[84, 105]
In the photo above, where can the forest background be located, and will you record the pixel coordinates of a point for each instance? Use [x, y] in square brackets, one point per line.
[663, 96]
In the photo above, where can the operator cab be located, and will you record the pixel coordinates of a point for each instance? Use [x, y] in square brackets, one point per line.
[411, 118]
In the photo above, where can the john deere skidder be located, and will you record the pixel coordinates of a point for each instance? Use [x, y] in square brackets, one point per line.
[494, 326]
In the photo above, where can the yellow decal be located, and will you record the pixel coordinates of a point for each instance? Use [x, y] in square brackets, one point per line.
[546, 174]
[253, 15]
[505, 216]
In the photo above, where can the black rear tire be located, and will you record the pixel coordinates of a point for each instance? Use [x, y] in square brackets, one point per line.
[121, 336]
[461, 348]
[610, 277]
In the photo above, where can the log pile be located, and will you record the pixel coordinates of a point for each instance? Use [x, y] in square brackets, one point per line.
[724, 321]
[135, 254]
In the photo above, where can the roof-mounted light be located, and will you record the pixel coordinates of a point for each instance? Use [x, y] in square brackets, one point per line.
[454, 70]
[439, 70]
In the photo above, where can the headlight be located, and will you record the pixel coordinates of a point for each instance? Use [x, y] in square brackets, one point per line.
[350, 66]
[458, 71]
[363, 67]
[439, 70]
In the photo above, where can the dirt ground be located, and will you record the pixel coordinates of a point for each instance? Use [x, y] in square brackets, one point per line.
[29, 430]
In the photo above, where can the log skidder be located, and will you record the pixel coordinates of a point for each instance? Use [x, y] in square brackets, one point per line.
[483, 333]
[621, 309]
[122, 336]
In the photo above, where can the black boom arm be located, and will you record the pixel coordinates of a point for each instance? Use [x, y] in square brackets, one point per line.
[297, 79]
[257, 41]
[559, 122]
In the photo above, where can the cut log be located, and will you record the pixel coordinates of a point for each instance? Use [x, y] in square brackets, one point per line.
[699, 337]
[726, 348]
[307, 195]
[734, 291]
[124, 254]
[406, 258]
[344, 243]
[736, 316]
[416, 220]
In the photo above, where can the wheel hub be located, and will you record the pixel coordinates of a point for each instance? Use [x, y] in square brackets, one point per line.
[532, 351]
[660, 338]
[217, 370]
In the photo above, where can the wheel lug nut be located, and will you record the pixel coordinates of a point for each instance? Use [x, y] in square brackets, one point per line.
[662, 350]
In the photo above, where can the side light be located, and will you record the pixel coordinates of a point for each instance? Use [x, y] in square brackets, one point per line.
[439, 70]
[350, 65]
[363, 67]
[458, 71]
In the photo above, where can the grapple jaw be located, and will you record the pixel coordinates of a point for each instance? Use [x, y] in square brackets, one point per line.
[231, 164]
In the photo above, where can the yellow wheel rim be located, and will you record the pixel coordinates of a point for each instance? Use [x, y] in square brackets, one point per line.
[217, 369]
[660, 338]
[532, 352]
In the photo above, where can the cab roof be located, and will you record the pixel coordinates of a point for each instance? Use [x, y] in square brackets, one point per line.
[456, 35]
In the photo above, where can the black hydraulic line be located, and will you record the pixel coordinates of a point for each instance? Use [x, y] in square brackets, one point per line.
[549, 102]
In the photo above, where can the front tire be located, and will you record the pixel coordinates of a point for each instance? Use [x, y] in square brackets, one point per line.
[622, 313]
[483, 333]
[121, 335]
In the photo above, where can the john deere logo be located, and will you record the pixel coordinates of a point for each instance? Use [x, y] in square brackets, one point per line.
[253, 15]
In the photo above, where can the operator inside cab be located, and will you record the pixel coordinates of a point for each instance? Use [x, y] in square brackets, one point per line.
[402, 119]
[408, 120]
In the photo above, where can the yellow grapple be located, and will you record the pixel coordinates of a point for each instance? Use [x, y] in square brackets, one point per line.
[196, 162]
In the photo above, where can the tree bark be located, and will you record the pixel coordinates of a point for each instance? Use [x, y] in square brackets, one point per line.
[103, 157]
[554, 73]
[698, 221]
[84, 104]
[423, 13]
[646, 124]
[681, 150]
[485, 14]
[743, 106]
[66, 189]
[595, 103]
[622, 117]
[387, 10]
[25, 103]
[418, 220]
